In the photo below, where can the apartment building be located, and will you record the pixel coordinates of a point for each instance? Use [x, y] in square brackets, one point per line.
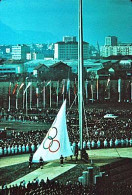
[19, 52]
[112, 48]
[68, 50]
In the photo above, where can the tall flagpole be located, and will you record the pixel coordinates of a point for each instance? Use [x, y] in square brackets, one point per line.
[119, 90]
[97, 87]
[57, 91]
[16, 101]
[44, 95]
[30, 96]
[80, 76]
[26, 98]
[50, 95]
[9, 101]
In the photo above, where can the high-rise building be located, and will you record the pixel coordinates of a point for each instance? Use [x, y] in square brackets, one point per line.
[111, 41]
[112, 48]
[68, 50]
[19, 52]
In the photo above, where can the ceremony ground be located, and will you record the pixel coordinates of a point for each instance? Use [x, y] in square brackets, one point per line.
[14, 169]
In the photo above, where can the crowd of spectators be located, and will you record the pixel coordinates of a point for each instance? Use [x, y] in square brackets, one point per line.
[49, 187]
[41, 187]
[98, 132]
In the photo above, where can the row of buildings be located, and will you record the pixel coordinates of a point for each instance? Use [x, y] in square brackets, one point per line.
[55, 69]
[67, 49]
[113, 48]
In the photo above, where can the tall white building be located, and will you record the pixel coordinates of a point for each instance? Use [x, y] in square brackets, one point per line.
[69, 50]
[19, 52]
[111, 41]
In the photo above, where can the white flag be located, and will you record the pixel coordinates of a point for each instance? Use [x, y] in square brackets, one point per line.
[56, 142]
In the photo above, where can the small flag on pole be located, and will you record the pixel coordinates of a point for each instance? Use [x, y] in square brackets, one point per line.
[63, 86]
[27, 87]
[22, 84]
[37, 92]
[15, 88]
[68, 85]
[75, 89]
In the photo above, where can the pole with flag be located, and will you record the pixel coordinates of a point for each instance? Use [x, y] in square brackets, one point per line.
[57, 93]
[75, 90]
[92, 91]
[49, 83]
[63, 88]
[25, 91]
[22, 84]
[15, 93]
[44, 95]
[119, 90]
[68, 89]
[9, 101]
[31, 91]
[108, 87]
[86, 88]
[50, 96]
[97, 84]
[37, 91]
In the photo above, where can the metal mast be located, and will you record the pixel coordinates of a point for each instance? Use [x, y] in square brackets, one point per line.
[80, 75]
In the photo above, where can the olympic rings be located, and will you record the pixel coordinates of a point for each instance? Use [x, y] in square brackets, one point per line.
[51, 129]
[51, 140]
[57, 148]
[50, 144]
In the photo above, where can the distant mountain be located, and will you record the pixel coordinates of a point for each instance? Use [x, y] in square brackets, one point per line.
[10, 36]
[7, 35]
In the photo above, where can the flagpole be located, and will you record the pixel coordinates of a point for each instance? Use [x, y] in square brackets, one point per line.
[23, 100]
[16, 102]
[50, 95]
[37, 92]
[97, 87]
[109, 89]
[69, 97]
[44, 95]
[26, 98]
[92, 91]
[80, 76]
[86, 89]
[30, 97]
[119, 90]
[9, 101]
[57, 92]
[75, 89]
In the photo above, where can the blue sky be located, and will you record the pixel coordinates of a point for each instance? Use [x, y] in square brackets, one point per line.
[32, 21]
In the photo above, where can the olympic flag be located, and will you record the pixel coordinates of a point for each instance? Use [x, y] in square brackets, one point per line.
[56, 142]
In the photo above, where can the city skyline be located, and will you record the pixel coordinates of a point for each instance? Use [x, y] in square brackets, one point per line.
[46, 22]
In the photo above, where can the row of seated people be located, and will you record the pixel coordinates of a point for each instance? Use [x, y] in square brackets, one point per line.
[40, 187]
[46, 115]
[7, 149]
[53, 111]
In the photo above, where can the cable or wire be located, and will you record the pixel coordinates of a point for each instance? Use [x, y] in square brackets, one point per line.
[72, 104]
